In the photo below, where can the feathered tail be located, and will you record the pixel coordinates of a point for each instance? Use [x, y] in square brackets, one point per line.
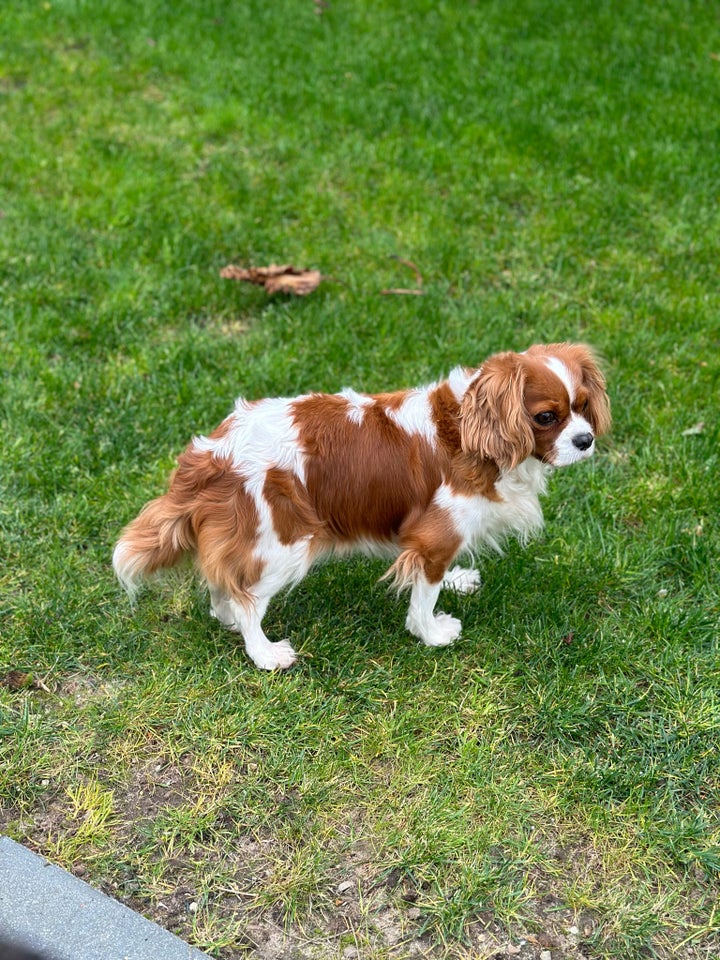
[156, 539]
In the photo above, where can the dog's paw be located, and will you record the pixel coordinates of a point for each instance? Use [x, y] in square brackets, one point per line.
[273, 656]
[440, 632]
[462, 579]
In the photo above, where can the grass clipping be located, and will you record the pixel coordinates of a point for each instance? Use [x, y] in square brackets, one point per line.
[276, 278]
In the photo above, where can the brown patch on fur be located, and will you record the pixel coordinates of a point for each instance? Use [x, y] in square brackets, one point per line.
[582, 400]
[446, 416]
[473, 476]
[293, 516]
[363, 480]
[391, 401]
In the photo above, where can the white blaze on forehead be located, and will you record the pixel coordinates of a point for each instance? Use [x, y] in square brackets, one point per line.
[564, 375]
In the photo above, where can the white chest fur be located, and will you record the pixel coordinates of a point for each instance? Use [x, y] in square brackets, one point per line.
[484, 522]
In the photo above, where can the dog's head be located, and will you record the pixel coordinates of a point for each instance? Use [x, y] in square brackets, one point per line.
[549, 402]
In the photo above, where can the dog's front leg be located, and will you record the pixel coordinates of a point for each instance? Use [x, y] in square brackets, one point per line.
[434, 629]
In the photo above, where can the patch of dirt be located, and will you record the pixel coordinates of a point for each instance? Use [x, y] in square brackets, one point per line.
[83, 687]
[218, 884]
[360, 914]
[154, 784]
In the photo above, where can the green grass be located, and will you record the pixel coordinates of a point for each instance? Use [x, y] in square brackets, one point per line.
[553, 171]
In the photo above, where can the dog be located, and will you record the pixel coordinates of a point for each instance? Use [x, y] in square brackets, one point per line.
[419, 476]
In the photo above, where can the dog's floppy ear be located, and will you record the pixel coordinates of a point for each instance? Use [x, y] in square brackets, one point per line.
[598, 409]
[493, 422]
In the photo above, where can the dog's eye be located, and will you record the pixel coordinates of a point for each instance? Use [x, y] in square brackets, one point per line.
[545, 418]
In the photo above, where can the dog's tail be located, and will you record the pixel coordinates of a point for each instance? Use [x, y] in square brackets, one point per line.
[156, 539]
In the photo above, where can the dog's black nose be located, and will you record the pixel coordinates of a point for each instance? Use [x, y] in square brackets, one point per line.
[583, 441]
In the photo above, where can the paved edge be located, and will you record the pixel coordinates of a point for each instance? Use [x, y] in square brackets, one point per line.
[47, 909]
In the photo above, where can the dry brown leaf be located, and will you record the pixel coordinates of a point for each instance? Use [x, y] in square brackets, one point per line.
[276, 278]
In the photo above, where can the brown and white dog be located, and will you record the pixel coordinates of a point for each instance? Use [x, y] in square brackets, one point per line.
[418, 475]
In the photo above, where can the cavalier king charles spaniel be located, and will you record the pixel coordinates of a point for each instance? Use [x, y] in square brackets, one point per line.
[419, 476]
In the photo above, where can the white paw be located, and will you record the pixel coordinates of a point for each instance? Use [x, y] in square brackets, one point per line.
[462, 579]
[273, 656]
[439, 632]
[443, 630]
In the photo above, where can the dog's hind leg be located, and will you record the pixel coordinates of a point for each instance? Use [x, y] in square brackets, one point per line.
[245, 565]
[245, 617]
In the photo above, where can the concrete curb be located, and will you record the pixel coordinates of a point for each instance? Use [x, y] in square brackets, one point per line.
[47, 910]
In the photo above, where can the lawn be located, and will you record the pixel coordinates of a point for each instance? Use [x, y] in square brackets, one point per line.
[550, 784]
